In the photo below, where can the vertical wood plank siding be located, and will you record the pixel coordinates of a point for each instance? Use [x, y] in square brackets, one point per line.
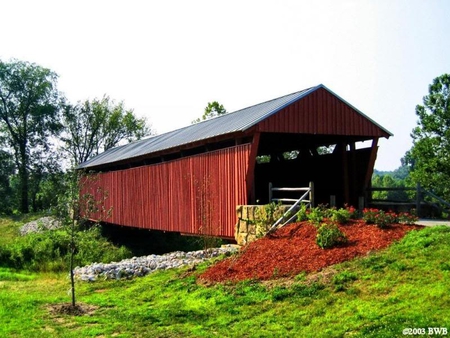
[321, 113]
[178, 195]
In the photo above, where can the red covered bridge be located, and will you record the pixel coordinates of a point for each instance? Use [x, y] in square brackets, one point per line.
[181, 180]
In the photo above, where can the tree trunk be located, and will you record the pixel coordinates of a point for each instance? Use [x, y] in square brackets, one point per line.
[23, 176]
[72, 254]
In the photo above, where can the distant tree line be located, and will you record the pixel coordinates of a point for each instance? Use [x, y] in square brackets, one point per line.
[398, 178]
[42, 136]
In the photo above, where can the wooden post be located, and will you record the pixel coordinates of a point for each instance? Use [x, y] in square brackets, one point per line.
[311, 193]
[360, 203]
[270, 192]
[373, 157]
[345, 173]
[332, 201]
[418, 199]
[353, 174]
[250, 180]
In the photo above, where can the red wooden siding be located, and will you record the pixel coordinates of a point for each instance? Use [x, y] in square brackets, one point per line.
[179, 195]
[321, 113]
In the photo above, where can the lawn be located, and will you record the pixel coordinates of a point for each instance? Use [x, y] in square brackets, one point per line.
[404, 286]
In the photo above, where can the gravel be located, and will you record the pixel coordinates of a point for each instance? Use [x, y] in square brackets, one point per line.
[43, 223]
[142, 266]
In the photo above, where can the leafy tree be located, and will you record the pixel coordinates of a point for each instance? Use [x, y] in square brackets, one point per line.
[92, 127]
[29, 106]
[47, 182]
[213, 109]
[429, 157]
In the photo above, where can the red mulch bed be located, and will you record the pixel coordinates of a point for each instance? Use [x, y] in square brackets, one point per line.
[293, 249]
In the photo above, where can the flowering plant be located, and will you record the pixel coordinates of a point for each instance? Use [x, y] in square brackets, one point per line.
[383, 219]
[354, 214]
[407, 218]
[379, 217]
[369, 215]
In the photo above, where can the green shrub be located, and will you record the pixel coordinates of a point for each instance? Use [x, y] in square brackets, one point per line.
[384, 219]
[354, 213]
[379, 217]
[329, 235]
[340, 216]
[369, 215]
[318, 214]
[49, 250]
[302, 214]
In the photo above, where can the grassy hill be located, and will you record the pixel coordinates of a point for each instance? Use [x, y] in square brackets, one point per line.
[379, 295]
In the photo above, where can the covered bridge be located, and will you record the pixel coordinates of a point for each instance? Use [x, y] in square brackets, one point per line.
[194, 177]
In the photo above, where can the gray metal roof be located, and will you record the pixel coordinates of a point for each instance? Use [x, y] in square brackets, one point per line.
[240, 120]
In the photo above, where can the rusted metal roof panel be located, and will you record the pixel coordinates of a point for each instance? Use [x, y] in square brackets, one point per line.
[189, 195]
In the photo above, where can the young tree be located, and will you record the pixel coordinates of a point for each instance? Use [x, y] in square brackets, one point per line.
[429, 157]
[28, 114]
[83, 200]
[92, 127]
[213, 109]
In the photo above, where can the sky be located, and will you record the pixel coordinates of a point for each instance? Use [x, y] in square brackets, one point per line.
[167, 59]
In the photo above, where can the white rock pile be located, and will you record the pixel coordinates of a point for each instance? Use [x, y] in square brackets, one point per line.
[141, 266]
[43, 223]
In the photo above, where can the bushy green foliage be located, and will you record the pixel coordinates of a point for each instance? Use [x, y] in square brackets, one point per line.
[340, 216]
[369, 215]
[318, 214]
[302, 214]
[49, 250]
[329, 235]
[429, 157]
[384, 219]
[213, 109]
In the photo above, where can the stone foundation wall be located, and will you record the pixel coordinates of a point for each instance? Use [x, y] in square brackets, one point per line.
[249, 227]
[245, 229]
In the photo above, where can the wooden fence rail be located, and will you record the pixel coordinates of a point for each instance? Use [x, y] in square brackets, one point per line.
[418, 202]
[308, 193]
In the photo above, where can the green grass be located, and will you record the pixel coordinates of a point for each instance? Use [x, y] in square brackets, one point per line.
[379, 295]
[10, 226]
[48, 251]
